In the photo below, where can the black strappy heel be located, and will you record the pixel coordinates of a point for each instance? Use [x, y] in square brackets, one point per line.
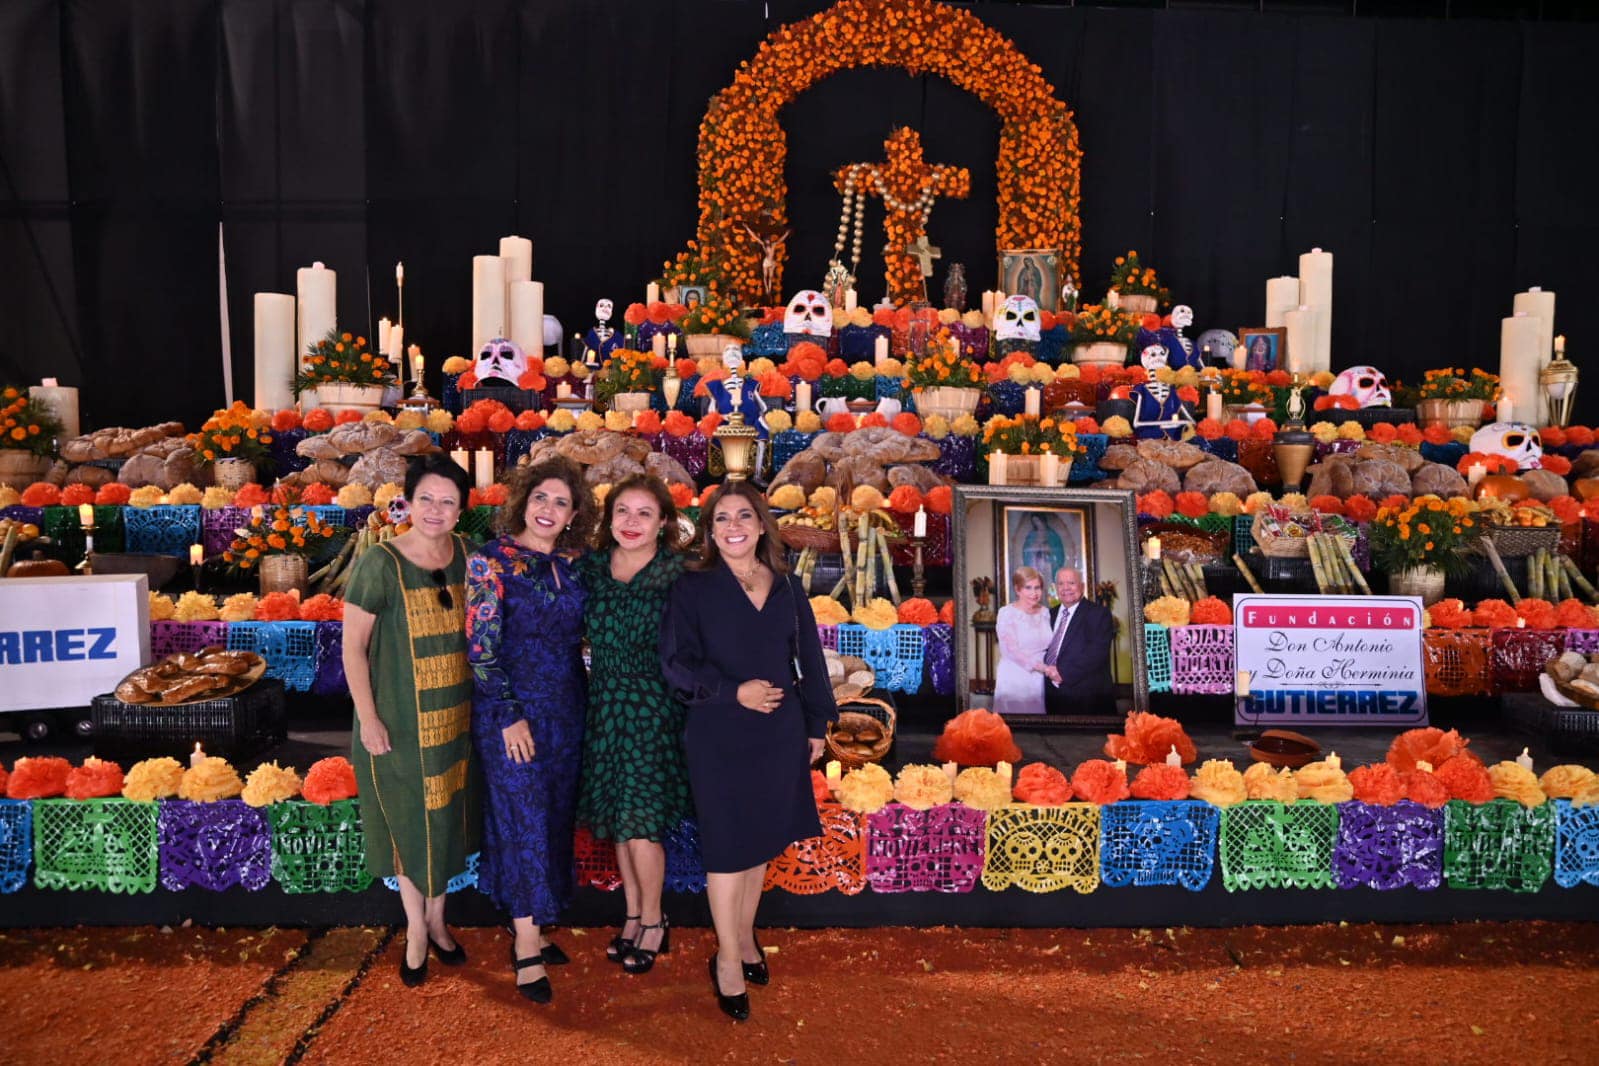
[538, 991]
[641, 960]
[620, 945]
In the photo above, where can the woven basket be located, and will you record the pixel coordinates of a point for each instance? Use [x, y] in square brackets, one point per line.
[1279, 547]
[946, 400]
[1513, 542]
[233, 473]
[853, 715]
[19, 468]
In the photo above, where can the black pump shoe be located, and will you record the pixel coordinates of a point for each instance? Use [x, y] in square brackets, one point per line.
[735, 1007]
[553, 955]
[641, 960]
[620, 945]
[756, 973]
[411, 977]
[538, 991]
[450, 957]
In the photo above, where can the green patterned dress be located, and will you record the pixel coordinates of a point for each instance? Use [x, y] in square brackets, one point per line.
[419, 803]
[634, 784]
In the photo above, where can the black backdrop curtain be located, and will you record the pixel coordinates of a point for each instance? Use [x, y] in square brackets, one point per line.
[1447, 164]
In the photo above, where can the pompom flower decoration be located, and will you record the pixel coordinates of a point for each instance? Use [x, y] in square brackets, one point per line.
[1422, 786]
[161, 607]
[1429, 744]
[921, 787]
[1218, 783]
[1160, 781]
[1167, 611]
[329, 780]
[1378, 784]
[213, 779]
[981, 787]
[976, 737]
[95, 779]
[1147, 738]
[1264, 782]
[1099, 782]
[1323, 782]
[828, 611]
[1041, 785]
[38, 777]
[240, 607]
[1210, 611]
[917, 611]
[1466, 779]
[195, 607]
[270, 783]
[152, 779]
[1567, 781]
[1512, 781]
[866, 789]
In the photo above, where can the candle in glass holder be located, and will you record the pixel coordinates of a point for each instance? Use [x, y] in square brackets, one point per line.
[86, 515]
[919, 523]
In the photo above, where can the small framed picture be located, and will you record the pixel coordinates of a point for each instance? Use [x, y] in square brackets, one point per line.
[1046, 538]
[1032, 272]
[691, 296]
[1265, 347]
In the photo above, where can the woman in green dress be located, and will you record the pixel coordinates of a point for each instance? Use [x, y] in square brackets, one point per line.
[634, 785]
[405, 661]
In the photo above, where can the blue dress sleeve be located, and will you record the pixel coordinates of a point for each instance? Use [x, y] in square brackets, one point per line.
[493, 697]
[683, 659]
[816, 690]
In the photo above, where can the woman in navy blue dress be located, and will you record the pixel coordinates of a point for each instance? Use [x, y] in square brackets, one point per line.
[524, 641]
[732, 630]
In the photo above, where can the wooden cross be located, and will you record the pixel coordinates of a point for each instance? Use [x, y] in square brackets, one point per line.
[906, 182]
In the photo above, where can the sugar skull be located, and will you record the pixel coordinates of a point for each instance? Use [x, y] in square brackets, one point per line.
[733, 358]
[1017, 319]
[399, 510]
[603, 310]
[501, 359]
[809, 313]
[1515, 441]
[1155, 357]
[1182, 316]
[1366, 384]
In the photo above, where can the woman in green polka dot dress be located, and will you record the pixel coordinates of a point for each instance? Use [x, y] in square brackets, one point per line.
[634, 786]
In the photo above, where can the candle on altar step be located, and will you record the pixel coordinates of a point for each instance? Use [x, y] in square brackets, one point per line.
[658, 345]
[996, 467]
[1282, 296]
[1241, 683]
[652, 293]
[1301, 325]
[196, 555]
[1152, 549]
[1560, 344]
[880, 351]
[1172, 758]
[1048, 469]
[1505, 410]
[851, 300]
[802, 397]
[1030, 403]
[384, 326]
[919, 523]
[1334, 761]
[1475, 473]
[988, 305]
[1213, 405]
[197, 756]
[1316, 292]
[1003, 769]
[483, 468]
[835, 773]
[518, 255]
[86, 515]
[950, 770]
[1524, 760]
[461, 459]
[1519, 361]
[563, 390]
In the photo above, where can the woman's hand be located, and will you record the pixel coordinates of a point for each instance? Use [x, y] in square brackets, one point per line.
[757, 695]
[518, 741]
[817, 747]
[375, 736]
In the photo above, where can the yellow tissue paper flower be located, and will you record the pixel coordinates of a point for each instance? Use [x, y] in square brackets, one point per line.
[981, 787]
[788, 497]
[708, 364]
[1567, 781]
[861, 316]
[824, 498]
[145, 496]
[556, 367]
[866, 790]
[828, 611]
[1019, 373]
[936, 426]
[580, 371]
[1226, 504]
[270, 783]
[947, 316]
[1068, 372]
[1264, 782]
[618, 421]
[239, 607]
[9, 497]
[1167, 611]
[185, 494]
[195, 607]
[1323, 782]
[161, 608]
[840, 318]
[1218, 783]
[1116, 426]
[1295, 502]
[439, 421]
[778, 421]
[1041, 373]
[878, 614]
[965, 426]
[761, 366]
[216, 497]
[891, 368]
[920, 787]
[972, 320]
[808, 422]
[1513, 781]
[214, 779]
[1325, 432]
[561, 421]
[152, 779]
[588, 420]
[865, 498]
[1462, 434]
[1322, 379]
[862, 370]
[457, 364]
[1352, 431]
[379, 415]
[352, 496]
[386, 492]
[408, 420]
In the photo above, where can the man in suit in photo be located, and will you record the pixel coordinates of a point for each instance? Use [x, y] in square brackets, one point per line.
[1077, 677]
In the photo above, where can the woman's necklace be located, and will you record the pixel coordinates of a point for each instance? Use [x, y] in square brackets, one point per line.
[747, 580]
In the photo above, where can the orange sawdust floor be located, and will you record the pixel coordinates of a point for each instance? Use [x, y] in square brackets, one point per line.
[1489, 993]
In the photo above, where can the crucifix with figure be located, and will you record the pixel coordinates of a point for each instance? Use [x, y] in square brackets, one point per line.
[908, 186]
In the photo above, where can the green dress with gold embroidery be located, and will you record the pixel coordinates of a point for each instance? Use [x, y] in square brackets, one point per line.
[419, 803]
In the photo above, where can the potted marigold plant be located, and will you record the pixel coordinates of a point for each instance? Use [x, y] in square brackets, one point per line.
[1424, 541]
[278, 544]
[233, 445]
[1035, 451]
[345, 374]
[1100, 335]
[627, 379]
[943, 380]
[1451, 397]
[28, 431]
[1136, 286]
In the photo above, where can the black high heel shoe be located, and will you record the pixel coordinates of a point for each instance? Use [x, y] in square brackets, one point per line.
[620, 945]
[756, 973]
[411, 976]
[452, 957]
[735, 1007]
[538, 991]
[641, 960]
[553, 955]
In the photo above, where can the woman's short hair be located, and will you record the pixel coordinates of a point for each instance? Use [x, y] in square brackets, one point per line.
[770, 548]
[438, 465]
[1020, 578]
[649, 483]
[512, 517]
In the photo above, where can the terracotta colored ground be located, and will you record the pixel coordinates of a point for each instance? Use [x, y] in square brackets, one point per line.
[1489, 993]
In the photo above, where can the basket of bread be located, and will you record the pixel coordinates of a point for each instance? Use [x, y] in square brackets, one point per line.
[188, 677]
[1576, 677]
[864, 731]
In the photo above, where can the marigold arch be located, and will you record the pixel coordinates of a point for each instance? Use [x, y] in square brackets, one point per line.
[743, 147]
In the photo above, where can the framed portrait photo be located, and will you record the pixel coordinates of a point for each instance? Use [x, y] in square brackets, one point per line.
[691, 296]
[1045, 537]
[1265, 348]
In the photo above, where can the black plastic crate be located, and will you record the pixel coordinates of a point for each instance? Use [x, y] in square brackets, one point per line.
[518, 400]
[1567, 729]
[233, 726]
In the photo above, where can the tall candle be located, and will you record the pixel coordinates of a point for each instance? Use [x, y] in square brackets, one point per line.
[1316, 291]
[1540, 305]
[658, 345]
[1213, 405]
[397, 341]
[1152, 549]
[1475, 473]
[1301, 324]
[850, 300]
[1505, 410]
[416, 361]
[1519, 361]
[880, 351]
[835, 772]
[62, 400]
[652, 293]
[518, 255]
[988, 305]
[802, 397]
[996, 467]
[527, 316]
[483, 468]
[1048, 469]
[317, 290]
[277, 359]
[1240, 357]
[196, 554]
[488, 300]
[1524, 760]
[919, 523]
[384, 326]
[1282, 296]
[1030, 402]
[461, 459]
[950, 770]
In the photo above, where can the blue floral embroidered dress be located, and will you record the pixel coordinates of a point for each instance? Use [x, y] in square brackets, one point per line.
[524, 627]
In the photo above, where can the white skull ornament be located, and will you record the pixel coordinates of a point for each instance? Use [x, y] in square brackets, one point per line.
[1182, 316]
[1366, 384]
[1017, 319]
[502, 359]
[603, 309]
[809, 313]
[1516, 441]
[1155, 357]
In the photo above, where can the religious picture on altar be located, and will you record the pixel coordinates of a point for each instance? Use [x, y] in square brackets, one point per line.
[691, 297]
[1045, 538]
[1032, 272]
[1263, 348]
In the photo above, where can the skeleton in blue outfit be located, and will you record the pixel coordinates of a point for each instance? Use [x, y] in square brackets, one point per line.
[1157, 410]
[750, 404]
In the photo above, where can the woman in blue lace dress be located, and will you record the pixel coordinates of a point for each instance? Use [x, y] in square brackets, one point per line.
[524, 641]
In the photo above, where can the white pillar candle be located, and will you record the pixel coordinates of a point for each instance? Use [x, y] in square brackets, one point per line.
[1048, 469]
[1475, 473]
[1524, 760]
[1172, 758]
[1213, 405]
[1282, 296]
[1241, 682]
[1540, 305]
[196, 554]
[416, 361]
[1505, 410]
[527, 316]
[488, 301]
[1300, 340]
[802, 397]
[62, 400]
[996, 468]
[277, 359]
[563, 390]
[461, 459]
[318, 290]
[919, 523]
[384, 326]
[1030, 402]
[658, 345]
[483, 468]
[1240, 357]
[1003, 769]
[988, 305]
[1316, 291]
[999, 305]
[1519, 361]
[880, 351]
[518, 255]
[850, 299]
[652, 292]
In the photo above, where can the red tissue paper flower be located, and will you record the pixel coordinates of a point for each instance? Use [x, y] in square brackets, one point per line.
[1041, 785]
[1158, 781]
[1098, 781]
[329, 780]
[977, 737]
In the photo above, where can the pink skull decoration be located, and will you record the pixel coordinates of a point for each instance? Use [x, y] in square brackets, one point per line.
[1366, 384]
[809, 313]
[501, 359]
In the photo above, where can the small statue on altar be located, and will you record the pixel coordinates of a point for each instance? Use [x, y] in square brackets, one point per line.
[1016, 326]
[1296, 405]
[1157, 409]
[955, 287]
[602, 338]
[1068, 295]
[769, 243]
[1180, 347]
[837, 282]
[749, 404]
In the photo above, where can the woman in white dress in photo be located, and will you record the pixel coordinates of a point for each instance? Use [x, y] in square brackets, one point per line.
[1023, 630]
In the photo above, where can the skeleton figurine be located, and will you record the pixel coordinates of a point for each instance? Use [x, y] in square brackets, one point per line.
[1016, 326]
[955, 286]
[1516, 441]
[1171, 338]
[808, 317]
[602, 339]
[1157, 410]
[750, 404]
[1366, 384]
[500, 362]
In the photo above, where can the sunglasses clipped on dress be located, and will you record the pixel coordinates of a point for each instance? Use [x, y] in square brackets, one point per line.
[442, 581]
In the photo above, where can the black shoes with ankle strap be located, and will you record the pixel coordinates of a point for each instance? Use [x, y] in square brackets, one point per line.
[641, 960]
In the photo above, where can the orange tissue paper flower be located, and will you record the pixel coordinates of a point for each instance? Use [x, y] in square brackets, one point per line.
[38, 777]
[1429, 744]
[41, 494]
[74, 495]
[939, 499]
[1494, 614]
[1265, 429]
[1211, 611]
[1209, 428]
[1538, 613]
[905, 499]
[95, 779]
[677, 424]
[278, 607]
[1556, 464]
[329, 780]
[1580, 436]
[946, 613]
[1360, 508]
[977, 737]
[1450, 614]
[346, 417]
[322, 608]
[1423, 787]
[1466, 779]
[1378, 783]
[1574, 614]
[1327, 504]
[1099, 781]
[1157, 504]
[1382, 433]
[1041, 785]
[921, 787]
[1437, 433]
[1147, 738]
[1159, 781]
[251, 495]
[907, 423]
[1237, 429]
[821, 792]
[114, 494]
[502, 422]
[647, 423]
[840, 422]
[285, 420]
[1192, 504]
[707, 425]
[916, 611]
[1408, 433]
[682, 495]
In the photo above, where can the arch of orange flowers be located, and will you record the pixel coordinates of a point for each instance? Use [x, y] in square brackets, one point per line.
[742, 145]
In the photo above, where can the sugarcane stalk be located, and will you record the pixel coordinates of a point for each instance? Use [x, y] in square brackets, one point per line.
[848, 580]
[1175, 577]
[1249, 575]
[1317, 567]
[888, 568]
[1499, 568]
[1535, 575]
[838, 588]
[331, 570]
[863, 560]
[13, 534]
[1349, 560]
[1196, 573]
[1565, 582]
[1551, 573]
[1577, 579]
[1335, 565]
